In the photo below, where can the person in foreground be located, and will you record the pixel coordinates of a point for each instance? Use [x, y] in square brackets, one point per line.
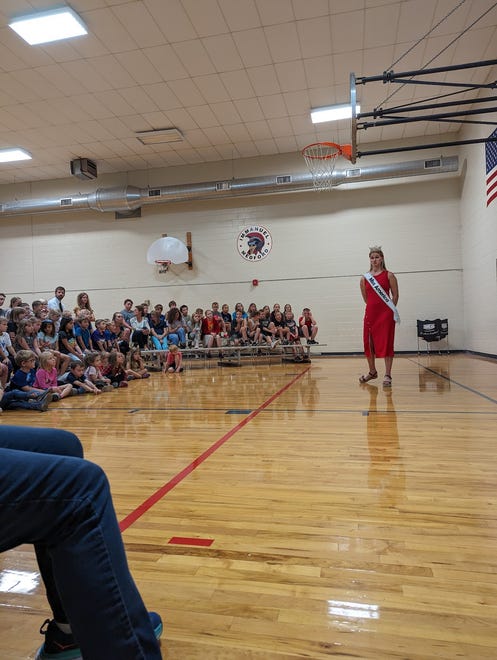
[52, 497]
[380, 292]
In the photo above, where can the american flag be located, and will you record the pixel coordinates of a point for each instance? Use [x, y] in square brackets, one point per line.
[491, 168]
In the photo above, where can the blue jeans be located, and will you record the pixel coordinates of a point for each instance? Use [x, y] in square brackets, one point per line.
[53, 498]
[177, 336]
[160, 344]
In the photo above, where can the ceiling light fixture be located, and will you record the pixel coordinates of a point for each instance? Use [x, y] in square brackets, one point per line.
[333, 113]
[46, 26]
[159, 136]
[13, 154]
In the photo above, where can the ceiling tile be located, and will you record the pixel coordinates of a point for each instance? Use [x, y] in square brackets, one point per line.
[194, 58]
[110, 69]
[139, 67]
[181, 119]
[253, 48]
[258, 130]
[187, 92]
[347, 31]
[264, 80]
[315, 37]
[381, 25]
[266, 147]
[319, 70]
[226, 112]
[87, 76]
[166, 62]
[283, 42]
[286, 144]
[171, 19]
[198, 138]
[297, 102]
[237, 133]
[280, 127]
[237, 84]
[249, 109]
[206, 17]
[310, 8]
[339, 6]
[139, 22]
[115, 102]
[217, 135]
[140, 100]
[240, 14]
[212, 88]
[223, 52]
[163, 96]
[204, 116]
[291, 75]
[276, 11]
[110, 31]
[273, 105]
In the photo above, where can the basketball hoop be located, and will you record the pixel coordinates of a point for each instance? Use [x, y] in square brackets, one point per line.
[163, 265]
[321, 158]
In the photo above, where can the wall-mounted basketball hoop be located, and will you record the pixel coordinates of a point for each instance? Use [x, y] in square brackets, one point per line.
[321, 158]
[169, 250]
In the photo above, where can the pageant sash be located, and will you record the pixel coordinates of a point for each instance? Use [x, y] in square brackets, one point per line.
[378, 289]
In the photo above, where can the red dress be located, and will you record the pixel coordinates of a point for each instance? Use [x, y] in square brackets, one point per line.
[379, 324]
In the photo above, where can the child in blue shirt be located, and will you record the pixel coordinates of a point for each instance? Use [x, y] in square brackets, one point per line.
[24, 377]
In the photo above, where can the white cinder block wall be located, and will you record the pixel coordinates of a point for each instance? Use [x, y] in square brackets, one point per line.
[320, 248]
[479, 248]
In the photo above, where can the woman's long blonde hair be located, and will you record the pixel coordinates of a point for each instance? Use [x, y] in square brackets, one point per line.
[378, 250]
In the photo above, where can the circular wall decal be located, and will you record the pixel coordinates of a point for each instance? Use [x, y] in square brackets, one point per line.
[254, 243]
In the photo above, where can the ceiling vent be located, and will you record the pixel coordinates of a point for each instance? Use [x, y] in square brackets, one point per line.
[84, 168]
[159, 136]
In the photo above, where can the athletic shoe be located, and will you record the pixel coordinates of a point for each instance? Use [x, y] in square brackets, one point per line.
[108, 388]
[275, 342]
[60, 646]
[57, 644]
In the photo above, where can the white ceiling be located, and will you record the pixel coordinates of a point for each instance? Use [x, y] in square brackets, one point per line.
[236, 77]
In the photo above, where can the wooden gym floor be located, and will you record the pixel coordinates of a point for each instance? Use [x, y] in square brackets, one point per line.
[285, 511]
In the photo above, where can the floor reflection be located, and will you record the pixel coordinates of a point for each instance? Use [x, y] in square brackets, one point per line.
[386, 470]
[434, 376]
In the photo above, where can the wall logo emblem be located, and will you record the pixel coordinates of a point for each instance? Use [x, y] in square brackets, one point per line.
[254, 243]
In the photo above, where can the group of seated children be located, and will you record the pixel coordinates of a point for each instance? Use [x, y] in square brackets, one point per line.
[31, 380]
[47, 353]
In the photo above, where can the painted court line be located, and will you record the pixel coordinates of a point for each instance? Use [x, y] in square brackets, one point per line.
[163, 490]
[455, 382]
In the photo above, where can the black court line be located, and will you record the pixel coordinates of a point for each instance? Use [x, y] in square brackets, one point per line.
[455, 382]
[332, 411]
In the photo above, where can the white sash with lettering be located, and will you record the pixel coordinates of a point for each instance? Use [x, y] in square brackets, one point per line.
[377, 288]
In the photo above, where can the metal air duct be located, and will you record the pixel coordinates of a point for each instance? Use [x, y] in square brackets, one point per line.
[128, 198]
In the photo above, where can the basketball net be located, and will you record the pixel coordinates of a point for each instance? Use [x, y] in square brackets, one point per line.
[321, 158]
[163, 265]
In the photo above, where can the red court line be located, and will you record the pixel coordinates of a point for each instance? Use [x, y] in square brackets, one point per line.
[184, 540]
[163, 490]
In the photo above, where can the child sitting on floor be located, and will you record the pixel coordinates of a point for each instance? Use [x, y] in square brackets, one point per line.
[80, 383]
[46, 377]
[115, 370]
[135, 366]
[174, 358]
[93, 372]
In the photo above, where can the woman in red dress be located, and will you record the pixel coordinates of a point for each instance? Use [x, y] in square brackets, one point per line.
[379, 323]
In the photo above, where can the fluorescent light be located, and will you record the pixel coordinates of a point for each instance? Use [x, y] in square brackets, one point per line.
[46, 26]
[332, 113]
[11, 155]
[160, 136]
